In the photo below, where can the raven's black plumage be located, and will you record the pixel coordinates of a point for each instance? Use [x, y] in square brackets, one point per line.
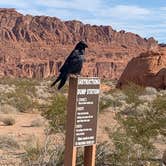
[72, 65]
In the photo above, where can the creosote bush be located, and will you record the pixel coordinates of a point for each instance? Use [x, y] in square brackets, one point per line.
[127, 152]
[56, 113]
[133, 141]
[132, 91]
[105, 104]
[21, 96]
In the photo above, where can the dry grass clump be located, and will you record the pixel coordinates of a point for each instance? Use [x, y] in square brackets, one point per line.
[45, 153]
[37, 123]
[6, 109]
[7, 142]
[8, 121]
[33, 151]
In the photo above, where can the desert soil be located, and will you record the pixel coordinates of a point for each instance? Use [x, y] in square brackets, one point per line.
[23, 133]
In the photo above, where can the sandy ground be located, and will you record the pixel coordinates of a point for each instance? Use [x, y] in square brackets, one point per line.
[22, 130]
[23, 133]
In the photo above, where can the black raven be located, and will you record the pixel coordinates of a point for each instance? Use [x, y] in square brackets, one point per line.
[72, 65]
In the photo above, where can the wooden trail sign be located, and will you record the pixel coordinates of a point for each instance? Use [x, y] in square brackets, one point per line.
[81, 126]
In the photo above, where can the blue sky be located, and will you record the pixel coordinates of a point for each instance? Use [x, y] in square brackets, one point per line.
[144, 17]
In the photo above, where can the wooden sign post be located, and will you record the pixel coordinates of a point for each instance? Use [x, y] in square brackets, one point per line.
[81, 126]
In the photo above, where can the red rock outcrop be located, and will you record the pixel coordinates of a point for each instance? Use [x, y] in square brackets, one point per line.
[35, 46]
[148, 69]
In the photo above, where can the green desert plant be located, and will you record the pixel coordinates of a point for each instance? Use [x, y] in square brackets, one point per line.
[132, 91]
[160, 103]
[147, 124]
[56, 113]
[133, 141]
[105, 104]
[128, 153]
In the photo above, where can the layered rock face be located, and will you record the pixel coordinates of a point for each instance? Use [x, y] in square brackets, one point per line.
[148, 69]
[36, 46]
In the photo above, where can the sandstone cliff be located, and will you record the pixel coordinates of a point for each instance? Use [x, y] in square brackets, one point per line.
[36, 46]
[148, 69]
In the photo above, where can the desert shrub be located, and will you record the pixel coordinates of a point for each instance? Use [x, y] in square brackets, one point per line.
[147, 124]
[24, 96]
[23, 85]
[21, 97]
[26, 86]
[57, 156]
[134, 139]
[22, 103]
[7, 142]
[37, 155]
[56, 113]
[37, 123]
[8, 121]
[158, 114]
[132, 91]
[65, 88]
[103, 154]
[150, 91]
[47, 153]
[105, 104]
[33, 151]
[126, 152]
[122, 152]
[109, 100]
[6, 108]
[160, 103]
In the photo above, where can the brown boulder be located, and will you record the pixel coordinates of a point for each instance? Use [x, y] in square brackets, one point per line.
[148, 69]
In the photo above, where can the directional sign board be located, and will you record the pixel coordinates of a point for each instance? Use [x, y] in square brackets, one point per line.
[87, 103]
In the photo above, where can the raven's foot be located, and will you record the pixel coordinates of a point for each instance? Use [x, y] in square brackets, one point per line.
[74, 75]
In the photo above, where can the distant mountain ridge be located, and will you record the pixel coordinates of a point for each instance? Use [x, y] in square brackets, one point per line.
[36, 46]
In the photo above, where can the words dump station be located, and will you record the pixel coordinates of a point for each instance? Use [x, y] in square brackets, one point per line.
[86, 111]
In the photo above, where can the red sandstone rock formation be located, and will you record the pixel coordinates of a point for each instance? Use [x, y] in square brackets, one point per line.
[148, 69]
[35, 46]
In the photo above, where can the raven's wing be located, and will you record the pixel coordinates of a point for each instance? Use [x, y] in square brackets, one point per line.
[68, 61]
[69, 65]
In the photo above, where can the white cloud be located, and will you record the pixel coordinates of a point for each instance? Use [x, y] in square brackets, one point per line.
[89, 5]
[32, 11]
[14, 3]
[128, 11]
[135, 10]
[134, 18]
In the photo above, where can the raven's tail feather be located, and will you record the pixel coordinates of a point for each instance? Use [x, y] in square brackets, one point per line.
[62, 82]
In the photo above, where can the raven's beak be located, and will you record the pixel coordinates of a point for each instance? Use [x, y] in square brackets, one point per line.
[86, 46]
